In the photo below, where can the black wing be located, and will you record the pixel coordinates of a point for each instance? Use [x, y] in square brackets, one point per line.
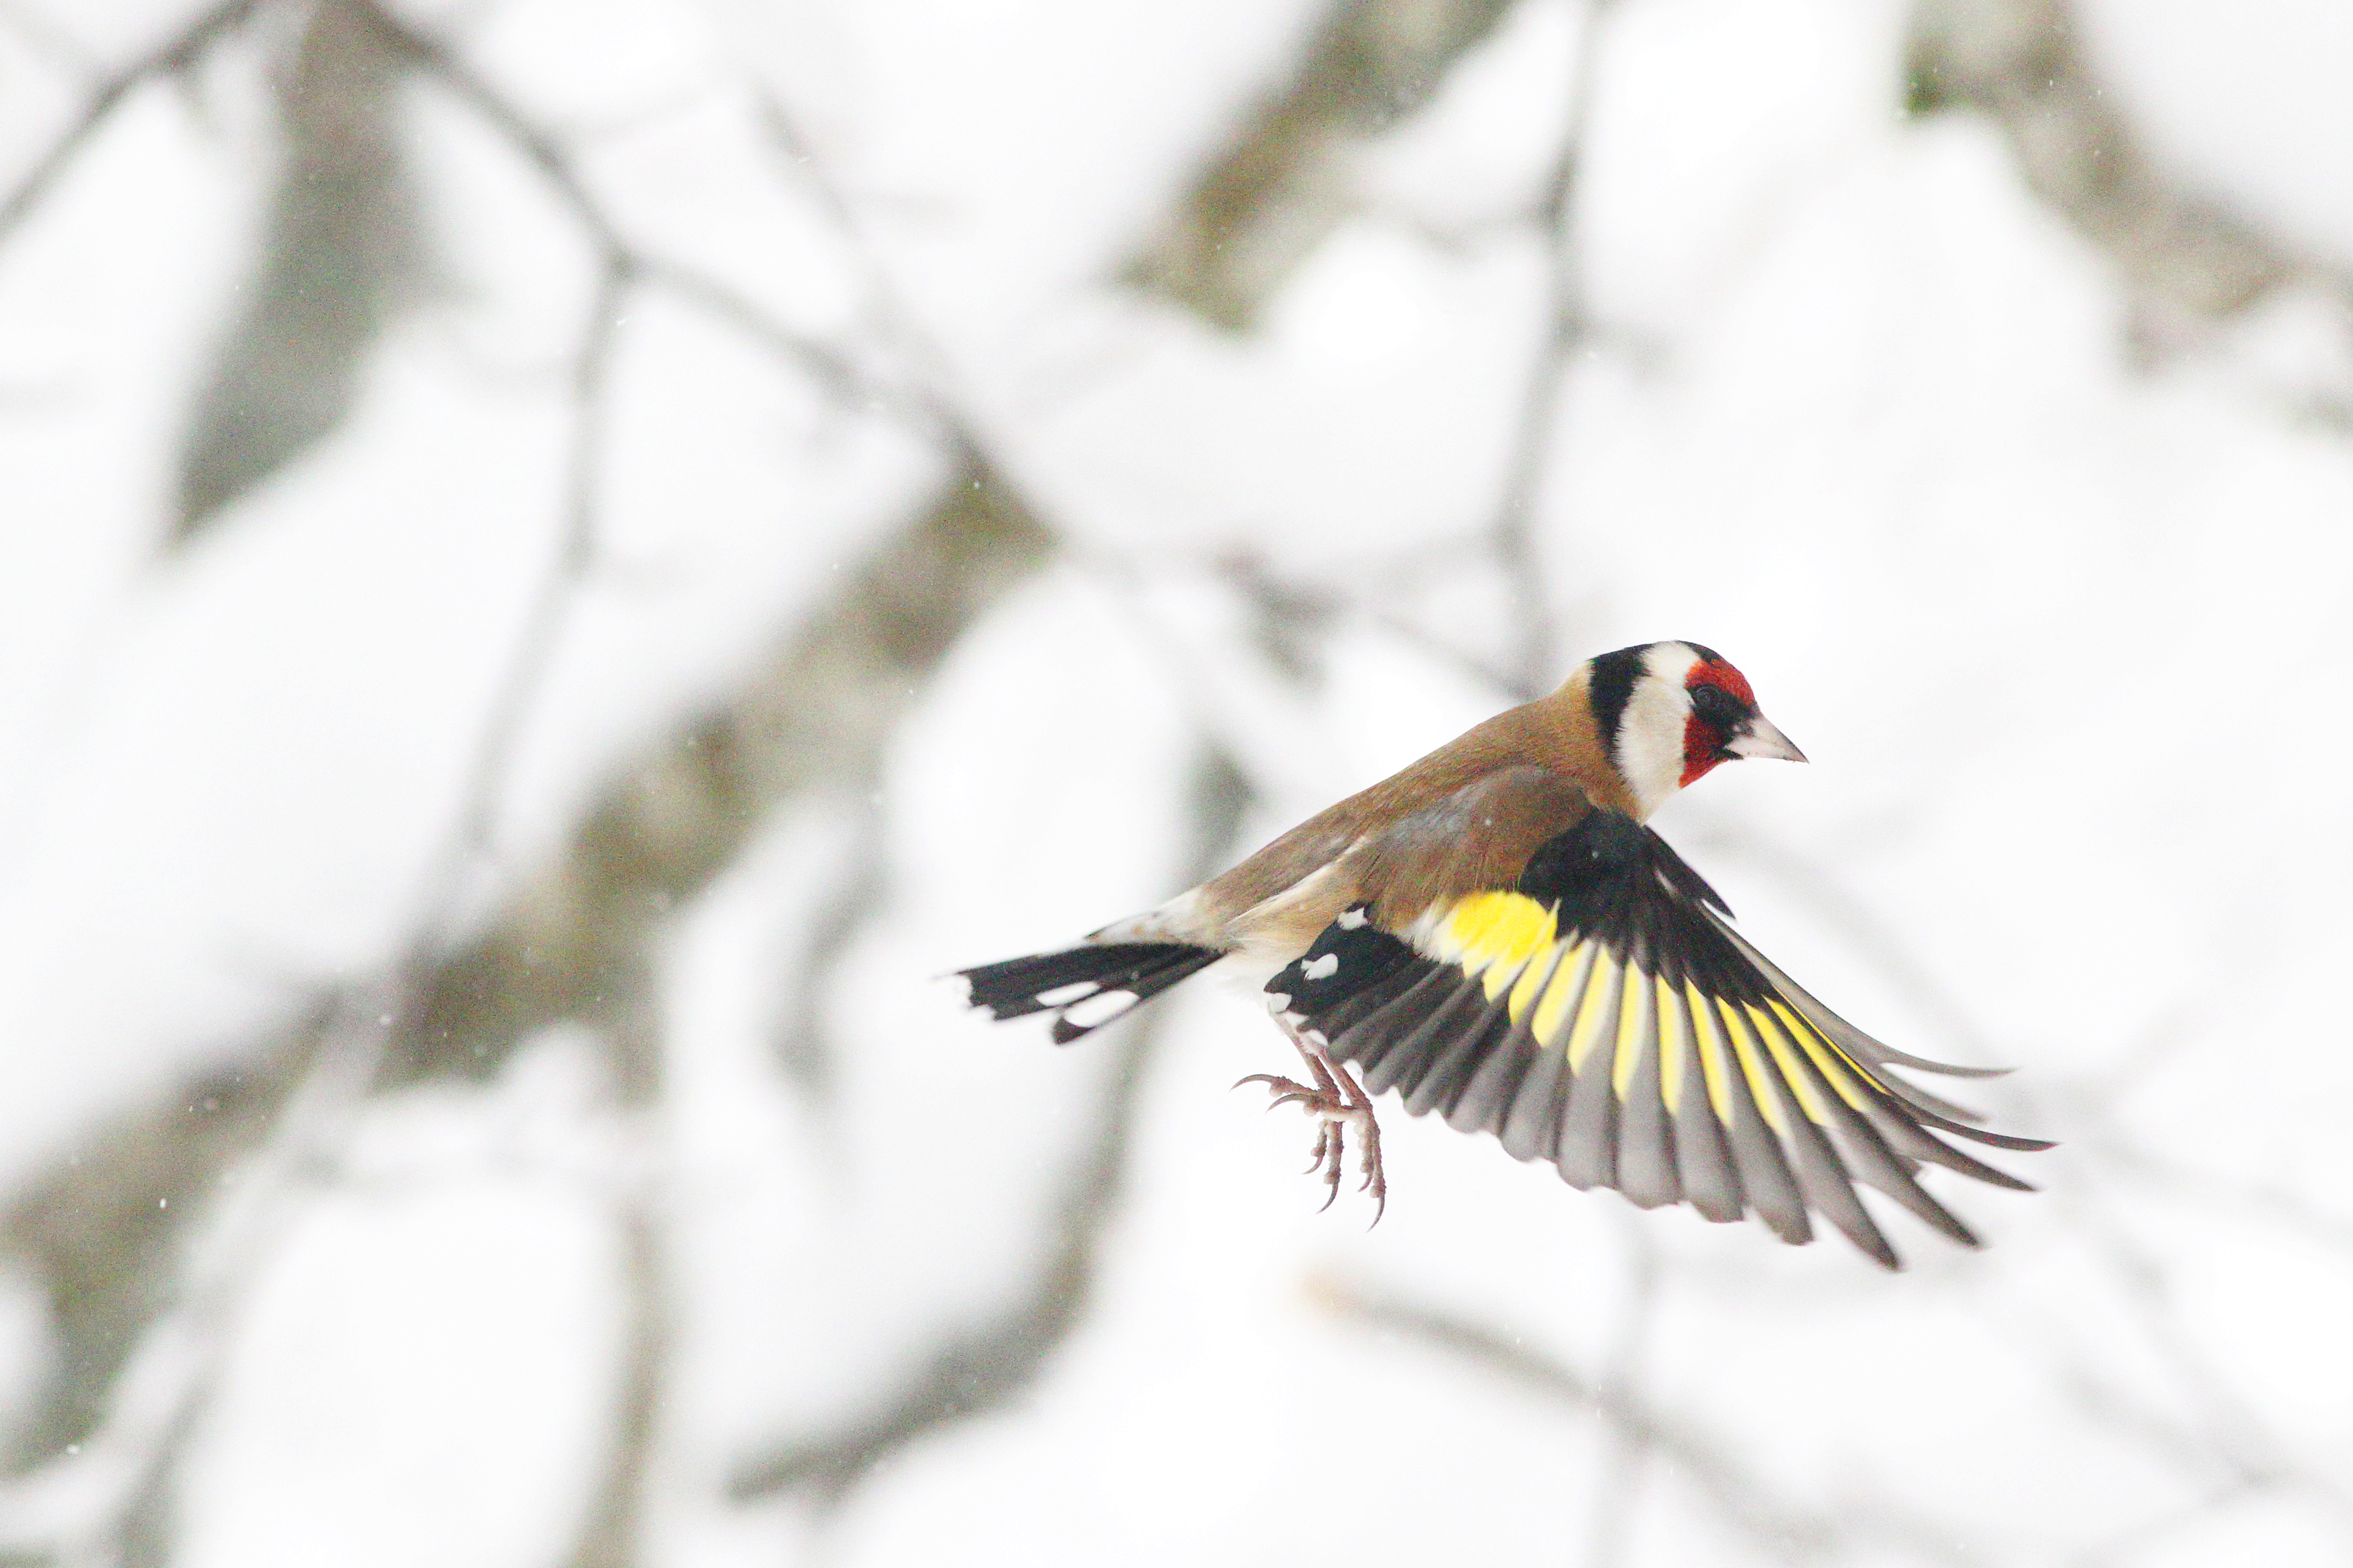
[1602, 1013]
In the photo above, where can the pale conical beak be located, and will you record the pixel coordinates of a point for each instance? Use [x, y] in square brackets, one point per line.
[1758, 738]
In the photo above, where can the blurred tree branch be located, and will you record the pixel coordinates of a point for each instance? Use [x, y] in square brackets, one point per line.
[140, 1286]
[976, 1371]
[574, 945]
[636, 263]
[131, 1397]
[575, 942]
[340, 253]
[2021, 63]
[106, 95]
[1741, 1498]
[821, 710]
[1530, 663]
[101, 1230]
[1285, 180]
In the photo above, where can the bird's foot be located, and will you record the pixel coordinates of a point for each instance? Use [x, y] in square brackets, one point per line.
[1337, 1102]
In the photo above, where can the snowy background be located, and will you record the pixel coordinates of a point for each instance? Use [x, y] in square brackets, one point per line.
[560, 561]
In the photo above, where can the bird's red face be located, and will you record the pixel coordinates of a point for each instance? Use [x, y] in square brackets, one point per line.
[1672, 712]
[1721, 701]
[1724, 724]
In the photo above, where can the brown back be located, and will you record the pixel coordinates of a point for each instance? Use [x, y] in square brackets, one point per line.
[1425, 829]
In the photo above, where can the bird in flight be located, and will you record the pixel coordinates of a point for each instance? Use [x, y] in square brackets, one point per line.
[1495, 934]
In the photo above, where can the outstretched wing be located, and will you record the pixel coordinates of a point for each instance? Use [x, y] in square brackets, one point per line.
[1592, 1005]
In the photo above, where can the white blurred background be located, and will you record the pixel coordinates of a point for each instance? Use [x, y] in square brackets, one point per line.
[560, 561]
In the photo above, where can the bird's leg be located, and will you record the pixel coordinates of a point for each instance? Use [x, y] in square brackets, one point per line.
[1338, 1101]
[1368, 1145]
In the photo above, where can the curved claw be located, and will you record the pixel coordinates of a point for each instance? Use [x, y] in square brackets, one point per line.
[1288, 1092]
[1335, 1099]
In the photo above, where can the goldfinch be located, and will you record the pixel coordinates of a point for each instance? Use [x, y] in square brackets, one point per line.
[1494, 934]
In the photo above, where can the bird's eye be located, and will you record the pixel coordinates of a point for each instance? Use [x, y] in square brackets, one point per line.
[1716, 708]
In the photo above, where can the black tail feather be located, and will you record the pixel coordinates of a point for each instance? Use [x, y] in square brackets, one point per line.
[1086, 986]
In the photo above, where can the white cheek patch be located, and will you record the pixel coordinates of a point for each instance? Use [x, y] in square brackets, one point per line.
[1650, 750]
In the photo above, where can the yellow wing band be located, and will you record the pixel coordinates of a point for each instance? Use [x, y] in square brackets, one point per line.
[1568, 983]
[1600, 991]
[1495, 934]
[1711, 1052]
[1530, 984]
[1827, 1057]
[1672, 1042]
[1633, 1005]
[1793, 1075]
[1752, 1067]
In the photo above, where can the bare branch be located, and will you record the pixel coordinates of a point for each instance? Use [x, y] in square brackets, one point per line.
[1285, 182]
[102, 1229]
[2231, 1427]
[174, 53]
[2021, 62]
[612, 1534]
[1630, 1448]
[818, 711]
[1531, 661]
[856, 898]
[557, 166]
[975, 1372]
[341, 255]
[1740, 1499]
[79, 1506]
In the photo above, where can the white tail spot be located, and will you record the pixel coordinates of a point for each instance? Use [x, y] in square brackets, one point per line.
[1070, 993]
[1101, 1009]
